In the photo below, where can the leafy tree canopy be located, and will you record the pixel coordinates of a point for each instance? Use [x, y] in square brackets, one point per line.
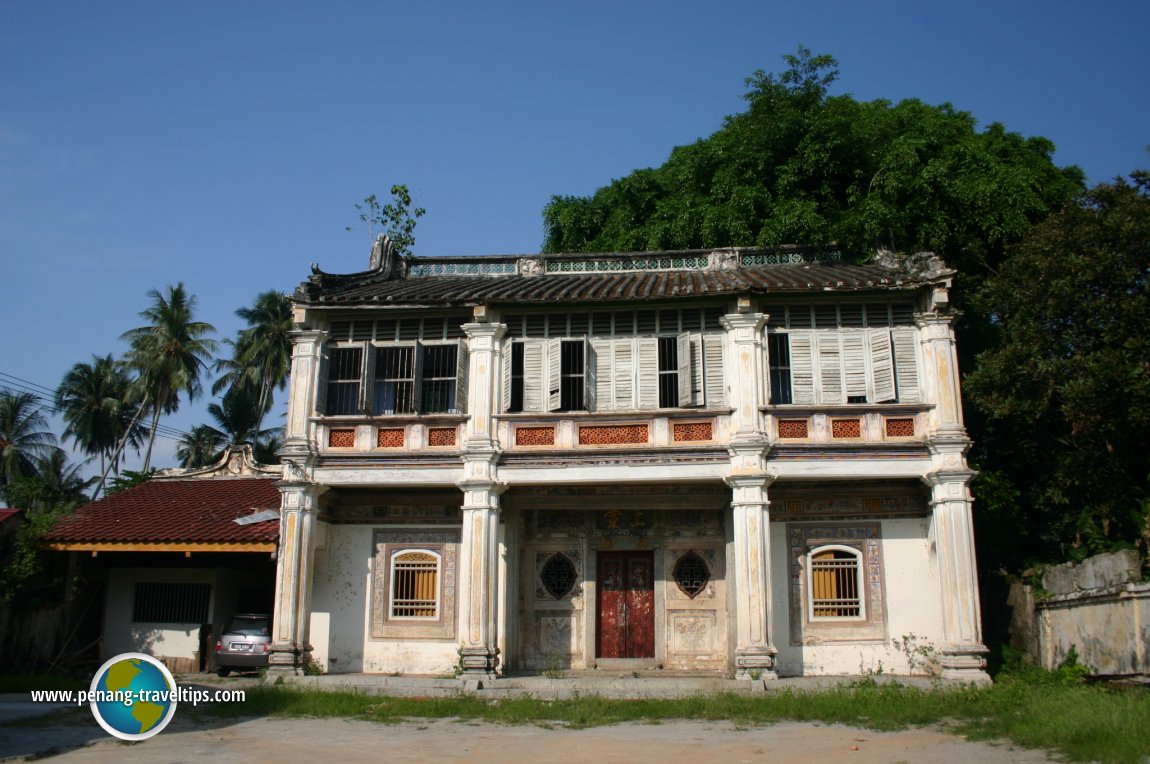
[396, 218]
[801, 166]
[1066, 388]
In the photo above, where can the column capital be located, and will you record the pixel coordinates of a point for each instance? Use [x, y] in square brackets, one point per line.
[485, 329]
[732, 322]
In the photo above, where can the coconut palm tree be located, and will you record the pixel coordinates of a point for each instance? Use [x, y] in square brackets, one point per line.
[168, 354]
[201, 446]
[24, 436]
[94, 400]
[261, 353]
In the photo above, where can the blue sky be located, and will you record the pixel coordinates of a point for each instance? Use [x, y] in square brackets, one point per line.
[224, 144]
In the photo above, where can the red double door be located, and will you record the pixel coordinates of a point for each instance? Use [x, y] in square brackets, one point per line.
[626, 586]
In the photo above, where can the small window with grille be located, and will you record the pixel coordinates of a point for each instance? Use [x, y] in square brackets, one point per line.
[345, 365]
[834, 584]
[415, 585]
[691, 574]
[558, 575]
[438, 379]
[394, 391]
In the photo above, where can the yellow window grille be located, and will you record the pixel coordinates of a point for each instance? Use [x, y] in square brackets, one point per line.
[834, 576]
[415, 585]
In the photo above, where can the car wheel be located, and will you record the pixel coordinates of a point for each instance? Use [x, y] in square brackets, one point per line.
[221, 671]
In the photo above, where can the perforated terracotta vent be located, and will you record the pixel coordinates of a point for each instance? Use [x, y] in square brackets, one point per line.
[441, 436]
[390, 438]
[341, 438]
[617, 434]
[794, 428]
[534, 436]
[900, 428]
[846, 428]
[693, 431]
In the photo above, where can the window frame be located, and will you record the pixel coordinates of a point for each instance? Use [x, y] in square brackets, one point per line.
[859, 584]
[367, 382]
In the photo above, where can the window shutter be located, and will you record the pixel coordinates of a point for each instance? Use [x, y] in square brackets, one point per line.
[906, 364]
[533, 380]
[802, 367]
[648, 372]
[367, 385]
[882, 365]
[322, 381]
[554, 367]
[505, 377]
[830, 368]
[623, 374]
[417, 378]
[590, 375]
[462, 367]
[685, 370]
[854, 362]
[715, 388]
[600, 373]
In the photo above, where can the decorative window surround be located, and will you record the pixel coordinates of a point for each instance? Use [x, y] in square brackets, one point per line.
[865, 539]
[390, 545]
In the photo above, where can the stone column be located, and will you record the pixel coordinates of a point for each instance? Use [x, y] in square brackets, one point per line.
[478, 570]
[306, 347]
[952, 534]
[484, 362]
[748, 479]
[291, 646]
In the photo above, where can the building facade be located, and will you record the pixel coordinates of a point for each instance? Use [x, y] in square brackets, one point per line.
[746, 462]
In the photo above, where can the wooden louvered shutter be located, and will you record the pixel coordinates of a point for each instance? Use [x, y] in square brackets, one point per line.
[505, 376]
[714, 383]
[830, 368]
[648, 372]
[684, 370]
[321, 381]
[802, 367]
[854, 363]
[906, 364]
[882, 365]
[462, 364]
[533, 380]
[417, 378]
[623, 374]
[600, 373]
[554, 368]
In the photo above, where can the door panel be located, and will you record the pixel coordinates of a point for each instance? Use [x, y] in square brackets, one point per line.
[626, 586]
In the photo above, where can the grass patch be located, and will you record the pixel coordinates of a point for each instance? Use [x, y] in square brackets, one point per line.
[29, 682]
[1038, 710]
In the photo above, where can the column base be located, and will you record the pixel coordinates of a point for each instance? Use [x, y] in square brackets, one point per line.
[964, 663]
[286, 659]
[479, 662]
[755, 663]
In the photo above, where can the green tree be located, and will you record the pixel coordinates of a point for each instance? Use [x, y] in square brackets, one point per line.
[261, 352]
[168, 354]
[201, 447]
[94, 400]
[25, 440]
[803, 166]
[397, 218]
[1066, 389]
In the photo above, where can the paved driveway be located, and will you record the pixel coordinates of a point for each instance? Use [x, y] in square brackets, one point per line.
[73, 736]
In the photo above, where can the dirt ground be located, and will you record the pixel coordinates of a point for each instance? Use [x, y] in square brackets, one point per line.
[73, 736]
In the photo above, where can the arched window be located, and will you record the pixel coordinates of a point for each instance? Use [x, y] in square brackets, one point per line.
[835, 583]
[415, 584]
[691, 574]
[558, 575]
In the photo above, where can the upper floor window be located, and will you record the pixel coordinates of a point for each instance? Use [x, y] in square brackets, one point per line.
[399, 378]
[835, 354]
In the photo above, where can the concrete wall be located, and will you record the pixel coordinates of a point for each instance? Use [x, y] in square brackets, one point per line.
[1100, 608]
[179, 643]
[913, 614]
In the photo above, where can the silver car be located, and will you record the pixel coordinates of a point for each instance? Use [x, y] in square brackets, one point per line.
[244, 644]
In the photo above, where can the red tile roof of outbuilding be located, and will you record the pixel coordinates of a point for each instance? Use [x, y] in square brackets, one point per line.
[193, 510]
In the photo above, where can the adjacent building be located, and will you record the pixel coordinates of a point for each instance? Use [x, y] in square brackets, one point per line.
[741, 461]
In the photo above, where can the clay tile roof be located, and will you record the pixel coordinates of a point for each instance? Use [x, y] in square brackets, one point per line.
[193, 510]
[504, 279]
[8, 514]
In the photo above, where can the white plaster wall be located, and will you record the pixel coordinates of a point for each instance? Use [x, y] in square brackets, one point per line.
[341, 615]
[159, 639]
[912, 608]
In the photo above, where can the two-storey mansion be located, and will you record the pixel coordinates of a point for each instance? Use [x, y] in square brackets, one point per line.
[739, 461]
